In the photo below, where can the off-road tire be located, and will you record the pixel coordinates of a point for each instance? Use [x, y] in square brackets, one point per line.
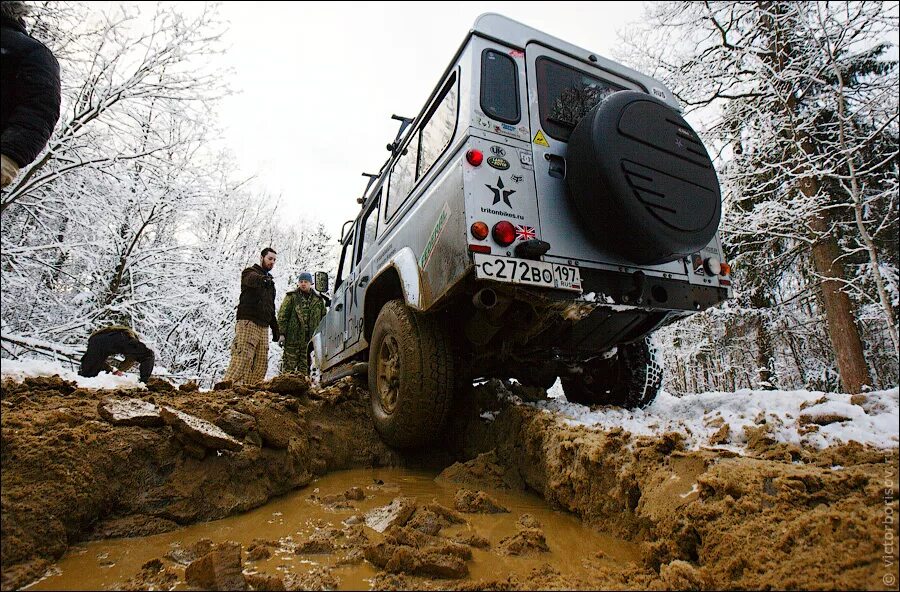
[632, 379]
[412, 412]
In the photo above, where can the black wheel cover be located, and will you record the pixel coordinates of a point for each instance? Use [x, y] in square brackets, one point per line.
[642, 181]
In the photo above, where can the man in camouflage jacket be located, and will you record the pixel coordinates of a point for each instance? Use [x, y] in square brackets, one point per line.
[298, 317]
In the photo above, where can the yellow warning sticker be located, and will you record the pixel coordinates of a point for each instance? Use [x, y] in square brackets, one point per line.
[540, 139]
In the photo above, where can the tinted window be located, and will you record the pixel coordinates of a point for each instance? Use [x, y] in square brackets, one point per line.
[565, 95]
[438, 130]
[403, 176]
[499, 86]
[369, 225]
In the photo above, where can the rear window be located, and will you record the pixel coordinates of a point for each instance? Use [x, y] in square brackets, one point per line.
[565, 95]
[499, 86]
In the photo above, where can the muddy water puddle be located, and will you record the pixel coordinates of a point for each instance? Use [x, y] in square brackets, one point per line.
[295, 517]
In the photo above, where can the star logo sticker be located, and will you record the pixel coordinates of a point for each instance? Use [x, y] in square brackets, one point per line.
[501, 193]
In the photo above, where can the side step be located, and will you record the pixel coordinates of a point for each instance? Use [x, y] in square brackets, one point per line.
[339, 372]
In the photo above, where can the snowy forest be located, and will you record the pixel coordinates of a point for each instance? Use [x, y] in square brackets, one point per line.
[130, 216]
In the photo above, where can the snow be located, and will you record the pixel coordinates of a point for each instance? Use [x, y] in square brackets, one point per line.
[30, 368]
[699, 416]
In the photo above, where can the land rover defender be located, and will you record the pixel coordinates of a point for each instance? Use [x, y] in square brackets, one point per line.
[543, 214]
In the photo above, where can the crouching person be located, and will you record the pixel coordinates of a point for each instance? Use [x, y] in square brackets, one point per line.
[110, 341]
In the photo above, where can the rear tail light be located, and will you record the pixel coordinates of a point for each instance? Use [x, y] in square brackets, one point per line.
[504, 233]
[480, 249]
[475, 157]
[726, 269]
[480, 230]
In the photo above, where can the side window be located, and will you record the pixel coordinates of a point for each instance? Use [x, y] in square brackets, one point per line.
[500, 86]
[403, 176]
[369, 226]
[430, 139]
[346, 262]
[438, 130]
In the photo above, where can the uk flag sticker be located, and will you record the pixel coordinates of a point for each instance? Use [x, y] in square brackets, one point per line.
[525, 232]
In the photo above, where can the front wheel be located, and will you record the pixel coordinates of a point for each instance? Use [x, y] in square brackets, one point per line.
[631, 379]
[410, 375]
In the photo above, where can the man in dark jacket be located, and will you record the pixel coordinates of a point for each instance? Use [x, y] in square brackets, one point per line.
[256, 313]
[30, 92]
[113, 340]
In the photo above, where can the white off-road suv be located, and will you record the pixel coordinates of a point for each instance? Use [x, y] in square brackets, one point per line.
[544, 213]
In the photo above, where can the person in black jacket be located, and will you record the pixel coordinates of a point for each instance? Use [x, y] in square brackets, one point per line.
[255, 314]
[113, 340]
[30, 92]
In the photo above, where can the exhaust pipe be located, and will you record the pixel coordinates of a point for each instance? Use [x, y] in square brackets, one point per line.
[485, 299]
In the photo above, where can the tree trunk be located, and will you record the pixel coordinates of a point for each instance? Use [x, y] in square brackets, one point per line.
[842, 327]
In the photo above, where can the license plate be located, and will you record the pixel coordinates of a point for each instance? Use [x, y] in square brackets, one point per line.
[530, 273]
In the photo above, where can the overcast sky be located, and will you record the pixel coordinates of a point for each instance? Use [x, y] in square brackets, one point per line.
[316, 84]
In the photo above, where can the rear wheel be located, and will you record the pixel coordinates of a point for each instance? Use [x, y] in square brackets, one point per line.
[410, 375]
[630, 379]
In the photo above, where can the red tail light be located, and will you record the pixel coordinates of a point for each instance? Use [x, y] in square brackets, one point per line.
[480, 249]
[504, 233]
[475, 157]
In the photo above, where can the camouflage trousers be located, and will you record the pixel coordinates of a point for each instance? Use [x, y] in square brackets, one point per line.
[249, 354]
[295, 359]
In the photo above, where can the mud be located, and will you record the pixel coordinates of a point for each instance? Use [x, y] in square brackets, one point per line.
[774, 516]
[69, 475]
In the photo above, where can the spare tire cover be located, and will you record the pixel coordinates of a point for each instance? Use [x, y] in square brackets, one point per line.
[642, 181]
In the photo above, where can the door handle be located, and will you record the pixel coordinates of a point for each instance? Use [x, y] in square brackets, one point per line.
[339, 306]
[363, 280]
[557, 166]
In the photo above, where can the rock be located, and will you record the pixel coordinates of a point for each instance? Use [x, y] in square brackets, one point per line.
[473, 540]
[524, 542]
[451, 516]
[199, 430]
[680, 575]
[477, 502]
[528, 521]
[220, 569]
[265, 582]
[152, 565]
[158, 385]
[355, 493]
[130, 412]
[822, 419]
[133, 526]
[288, 384]
[274, 428]
[258, 553]
[235, 423]
[721, 436]
[394, 514]
[190, 386]
[315, 546]
[426, 521]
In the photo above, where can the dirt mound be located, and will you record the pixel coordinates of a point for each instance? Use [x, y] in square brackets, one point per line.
[780, 516]
[69, 474]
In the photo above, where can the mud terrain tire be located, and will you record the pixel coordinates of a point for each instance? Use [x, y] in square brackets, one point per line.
[410, 375]
[641, 180]
[631, 379]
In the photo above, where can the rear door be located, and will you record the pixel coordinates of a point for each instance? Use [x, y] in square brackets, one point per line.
[335, 318]
[561, 90]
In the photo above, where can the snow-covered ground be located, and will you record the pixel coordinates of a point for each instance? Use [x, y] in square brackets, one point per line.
[20, 369]
[700, 416]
